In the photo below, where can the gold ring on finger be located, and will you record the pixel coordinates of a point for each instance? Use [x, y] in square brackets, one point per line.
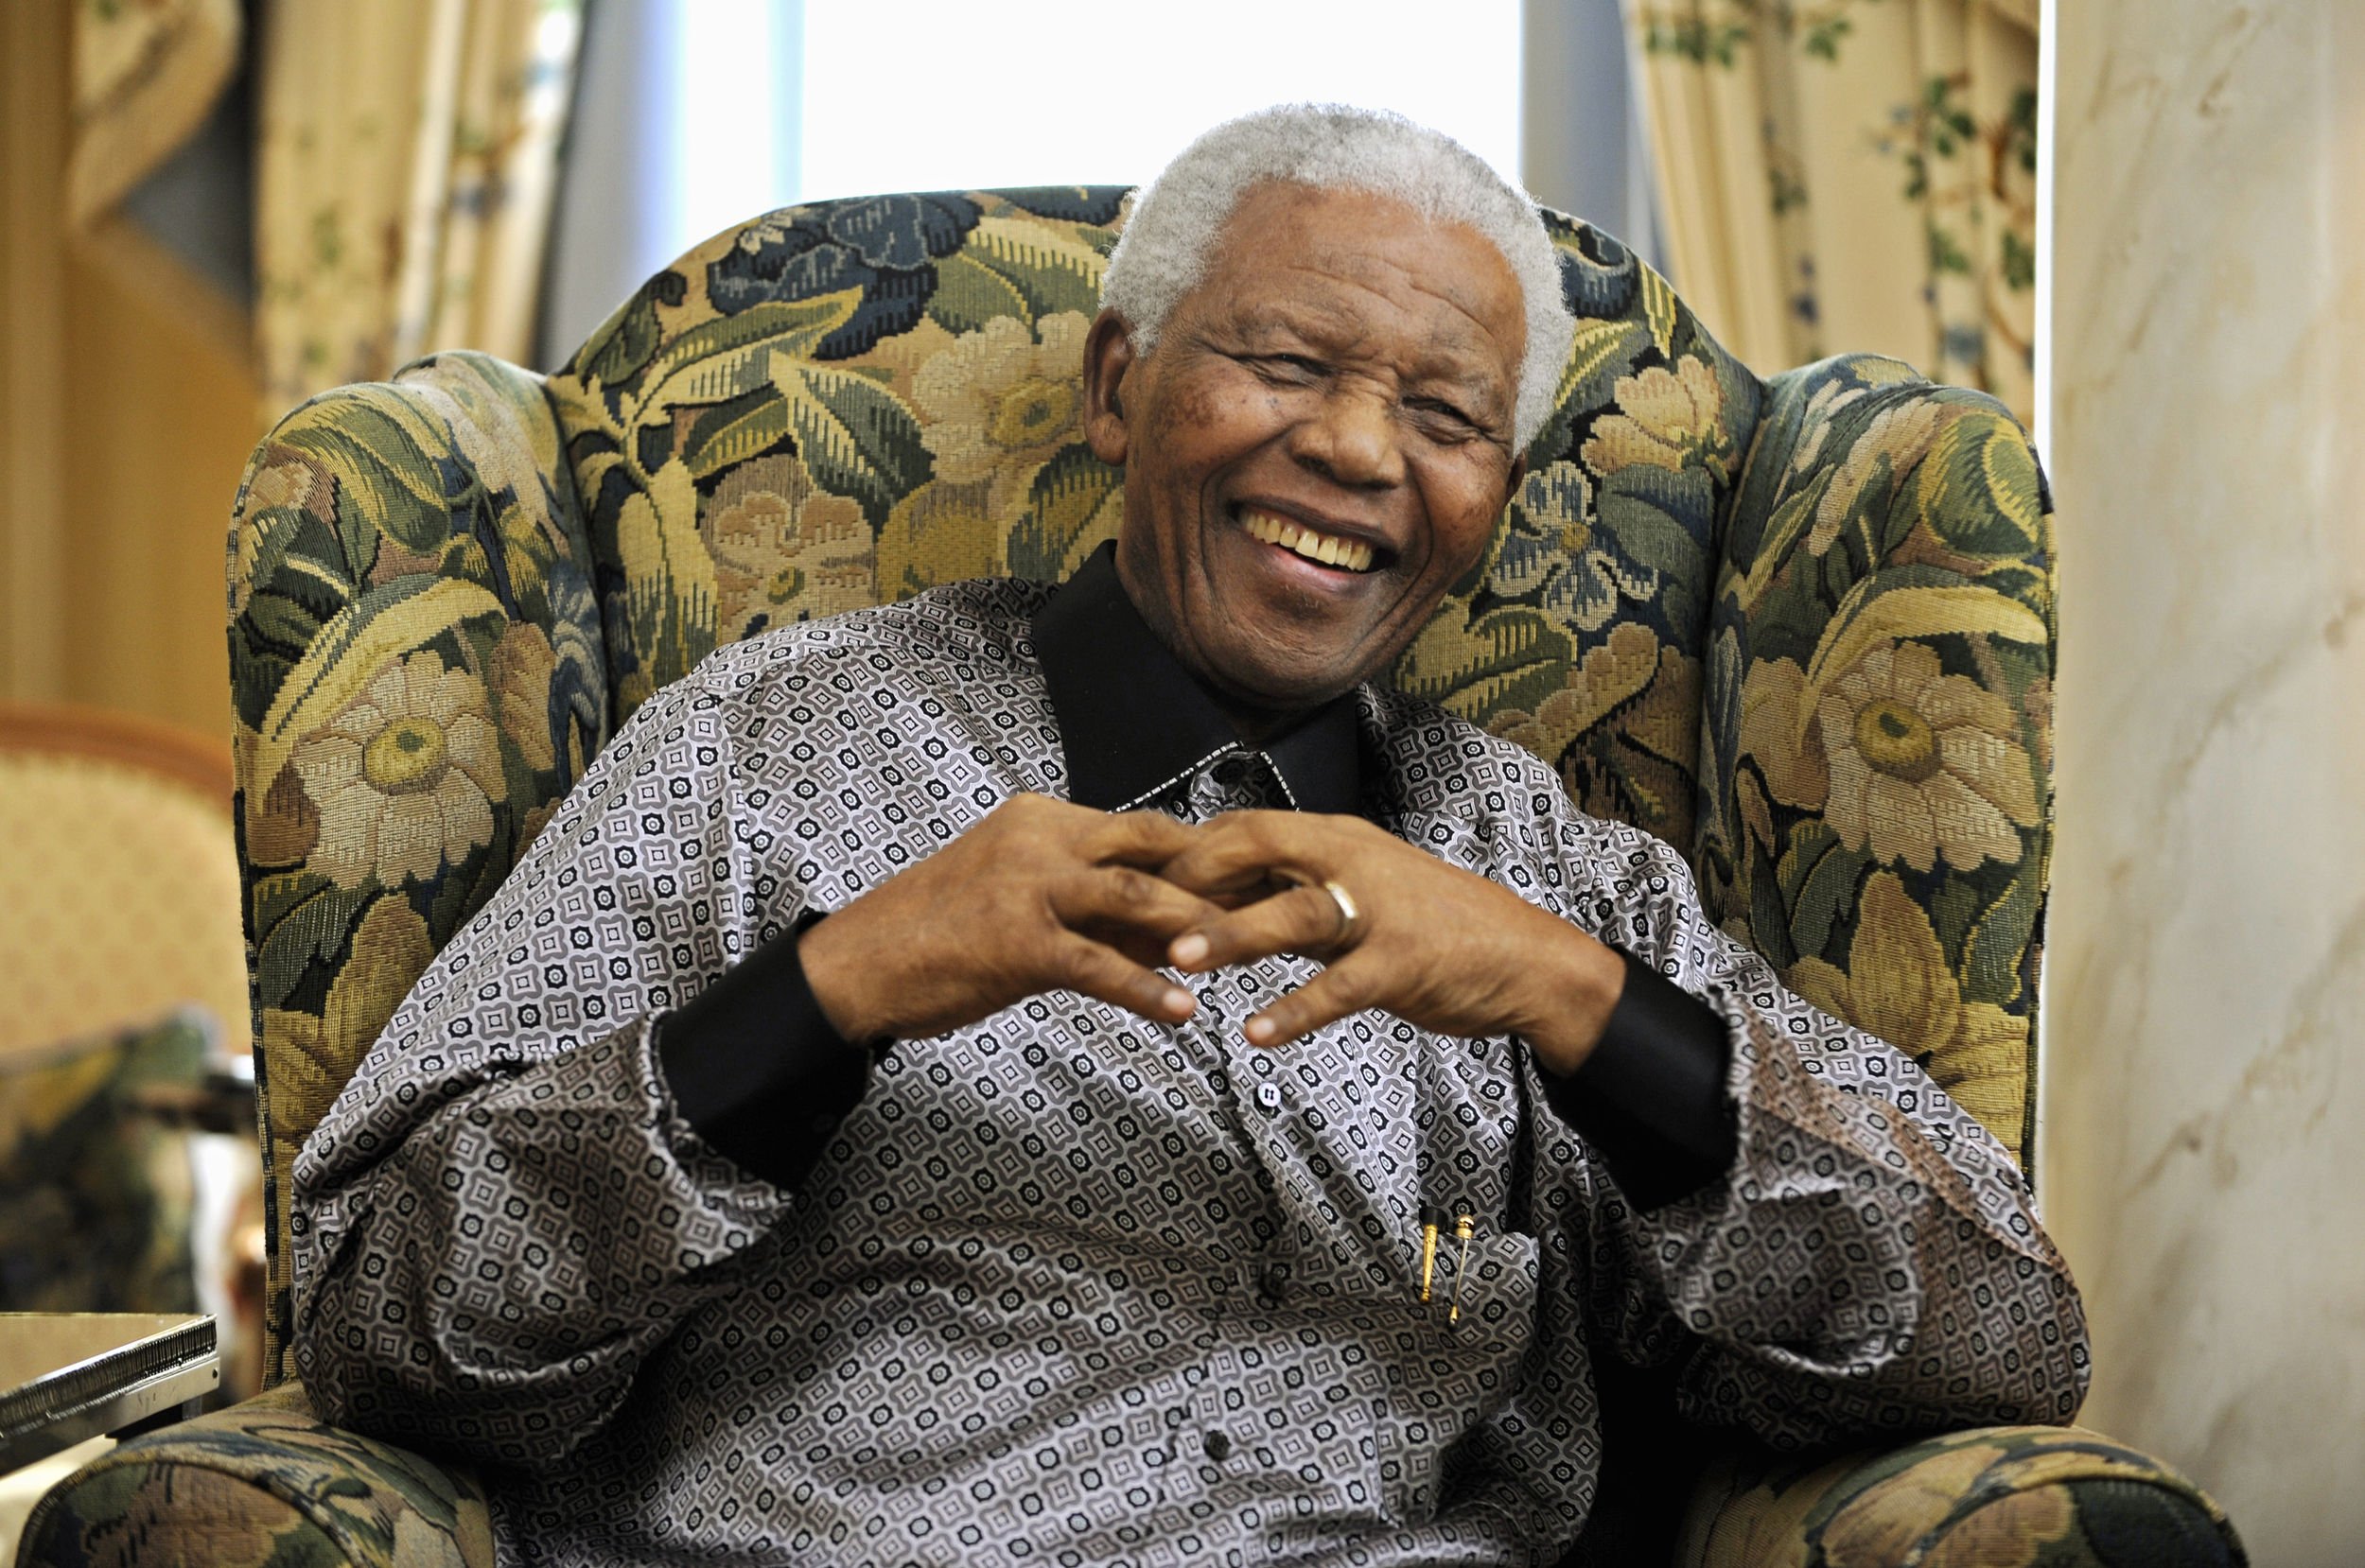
[1349, 917]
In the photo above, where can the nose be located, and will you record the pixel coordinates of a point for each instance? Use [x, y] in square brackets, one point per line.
[1351, 439]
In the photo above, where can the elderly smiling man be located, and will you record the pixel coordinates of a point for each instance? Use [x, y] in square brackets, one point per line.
[1086, 1079]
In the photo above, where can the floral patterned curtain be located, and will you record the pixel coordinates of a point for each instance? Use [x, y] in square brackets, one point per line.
[408, 156]
[1851, 175]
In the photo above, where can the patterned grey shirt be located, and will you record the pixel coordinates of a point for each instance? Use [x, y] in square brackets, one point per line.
[1065, 1286]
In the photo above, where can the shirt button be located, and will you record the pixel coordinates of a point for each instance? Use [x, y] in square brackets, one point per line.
[1273, 1286]
[1268, 1098]
[1217, 1446]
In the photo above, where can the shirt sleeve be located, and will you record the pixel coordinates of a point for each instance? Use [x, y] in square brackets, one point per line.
[1870, 1259]
[1650, 1100]
[510, 1205]
[756, 1068]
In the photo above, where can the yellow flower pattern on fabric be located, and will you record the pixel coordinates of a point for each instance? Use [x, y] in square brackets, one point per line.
[996, 405]
[406, 776]
[785, 548]
[1669, 419]
[1898, 985]
[1923, 763]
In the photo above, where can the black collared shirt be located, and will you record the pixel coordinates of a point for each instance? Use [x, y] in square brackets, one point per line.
[755, 1065]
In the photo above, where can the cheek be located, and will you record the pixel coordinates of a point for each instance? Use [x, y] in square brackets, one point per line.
[1204, 422]
[1463, 507]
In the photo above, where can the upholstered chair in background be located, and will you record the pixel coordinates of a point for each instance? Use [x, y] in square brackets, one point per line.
[122, 976]
[1799, 626]
[124, 981]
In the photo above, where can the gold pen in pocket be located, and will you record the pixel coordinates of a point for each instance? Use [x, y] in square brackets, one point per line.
[1432, 1221]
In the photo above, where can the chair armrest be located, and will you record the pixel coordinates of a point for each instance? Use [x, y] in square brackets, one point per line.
[266, 1481]
[1995, 1497]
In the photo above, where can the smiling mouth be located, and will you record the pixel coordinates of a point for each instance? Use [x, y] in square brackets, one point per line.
[1328, 549]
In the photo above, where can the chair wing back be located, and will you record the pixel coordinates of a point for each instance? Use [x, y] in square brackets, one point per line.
[844, 404]
[115, 901]
[446, 589]
[1876, 743]
[417, 674]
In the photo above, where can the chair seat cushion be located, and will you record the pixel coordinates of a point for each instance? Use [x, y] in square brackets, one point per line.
[263, 1482]
[1996, 1497]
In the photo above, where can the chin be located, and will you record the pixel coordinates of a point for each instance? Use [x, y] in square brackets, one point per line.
[1281, 685]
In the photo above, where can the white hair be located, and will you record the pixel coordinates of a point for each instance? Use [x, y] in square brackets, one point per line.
[1164, 251]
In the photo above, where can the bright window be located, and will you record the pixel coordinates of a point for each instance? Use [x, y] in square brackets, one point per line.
[928, 95]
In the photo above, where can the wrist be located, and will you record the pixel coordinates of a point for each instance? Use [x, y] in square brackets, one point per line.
[826, 950]
[1572, 991]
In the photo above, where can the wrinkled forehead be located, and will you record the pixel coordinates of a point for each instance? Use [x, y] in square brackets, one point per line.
[1304, 256]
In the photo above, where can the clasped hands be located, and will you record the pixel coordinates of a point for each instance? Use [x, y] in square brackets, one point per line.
[1046, 895]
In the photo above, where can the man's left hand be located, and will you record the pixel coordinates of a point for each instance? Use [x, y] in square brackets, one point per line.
[1437, 946]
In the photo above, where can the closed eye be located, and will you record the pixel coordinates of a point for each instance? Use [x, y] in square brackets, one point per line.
[1296, 367]
[1438, 409]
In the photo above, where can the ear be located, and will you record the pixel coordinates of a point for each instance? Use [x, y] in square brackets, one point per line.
[1108, 356]
[1518, 472]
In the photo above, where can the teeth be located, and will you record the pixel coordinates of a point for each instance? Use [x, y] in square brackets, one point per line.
[1347, 554]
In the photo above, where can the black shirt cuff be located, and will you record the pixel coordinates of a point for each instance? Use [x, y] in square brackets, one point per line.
[1651, 1098]
[755, 1067]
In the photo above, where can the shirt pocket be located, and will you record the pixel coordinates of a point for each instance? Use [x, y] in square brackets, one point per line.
[1484, 1297]
[1461, 1368]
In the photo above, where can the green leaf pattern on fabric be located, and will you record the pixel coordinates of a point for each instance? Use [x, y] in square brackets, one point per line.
[1875, 812]
[1999, 1497]
[418, 672]
[277, 1488]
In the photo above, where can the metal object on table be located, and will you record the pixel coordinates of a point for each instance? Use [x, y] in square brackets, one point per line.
[65, 1377]
[221, 1102]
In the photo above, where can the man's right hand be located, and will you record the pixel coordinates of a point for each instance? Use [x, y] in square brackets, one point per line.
[1042, 895]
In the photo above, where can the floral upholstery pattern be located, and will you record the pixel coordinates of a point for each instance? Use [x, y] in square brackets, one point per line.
[417, 674]
[1875, 805]
[1801, 627]
[1996, 1497]
[1579, 635]
[263, 1483]
[96, 1199]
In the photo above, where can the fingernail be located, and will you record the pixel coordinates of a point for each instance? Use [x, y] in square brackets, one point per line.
[1259, 1030]
[1180, 1002]
[1189, 949]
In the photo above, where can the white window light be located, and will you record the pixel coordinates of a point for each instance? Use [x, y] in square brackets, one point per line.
[920, 94]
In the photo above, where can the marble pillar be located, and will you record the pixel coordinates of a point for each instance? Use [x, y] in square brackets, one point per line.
[2201, 1140]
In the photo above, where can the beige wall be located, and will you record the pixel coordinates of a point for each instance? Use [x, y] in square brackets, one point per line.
[2203, 1133]
[127, 408]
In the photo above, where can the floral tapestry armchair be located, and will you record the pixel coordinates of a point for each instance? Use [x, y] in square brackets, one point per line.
[1800, 626]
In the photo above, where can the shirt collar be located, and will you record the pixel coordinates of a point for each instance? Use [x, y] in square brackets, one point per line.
[1133, 721]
